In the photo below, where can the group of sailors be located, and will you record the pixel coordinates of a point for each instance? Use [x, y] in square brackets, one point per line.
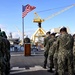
[60, 50]
[4, 54]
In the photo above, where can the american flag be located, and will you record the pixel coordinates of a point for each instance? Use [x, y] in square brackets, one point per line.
[27, 8]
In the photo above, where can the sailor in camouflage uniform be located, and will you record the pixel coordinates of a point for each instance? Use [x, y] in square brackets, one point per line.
[54, 52]
[2, 53]
[74, 53]
[7, 53]
[65, 52]
[48, 47]
[46, 51]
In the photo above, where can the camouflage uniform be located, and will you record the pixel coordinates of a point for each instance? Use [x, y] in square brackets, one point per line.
[74, 55]
[51, 52]
[55, 55]
[45, 51]
[7, 57]
[2, 53]
[7, 53]
[65, 53]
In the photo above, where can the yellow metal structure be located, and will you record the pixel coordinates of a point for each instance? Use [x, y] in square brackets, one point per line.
[38, 19]
[40, 32]
[38, 35]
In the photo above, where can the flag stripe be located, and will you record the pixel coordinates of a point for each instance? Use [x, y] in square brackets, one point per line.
[27, 9]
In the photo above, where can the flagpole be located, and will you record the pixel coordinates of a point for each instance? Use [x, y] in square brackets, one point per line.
[22, 28]
[25, 10]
